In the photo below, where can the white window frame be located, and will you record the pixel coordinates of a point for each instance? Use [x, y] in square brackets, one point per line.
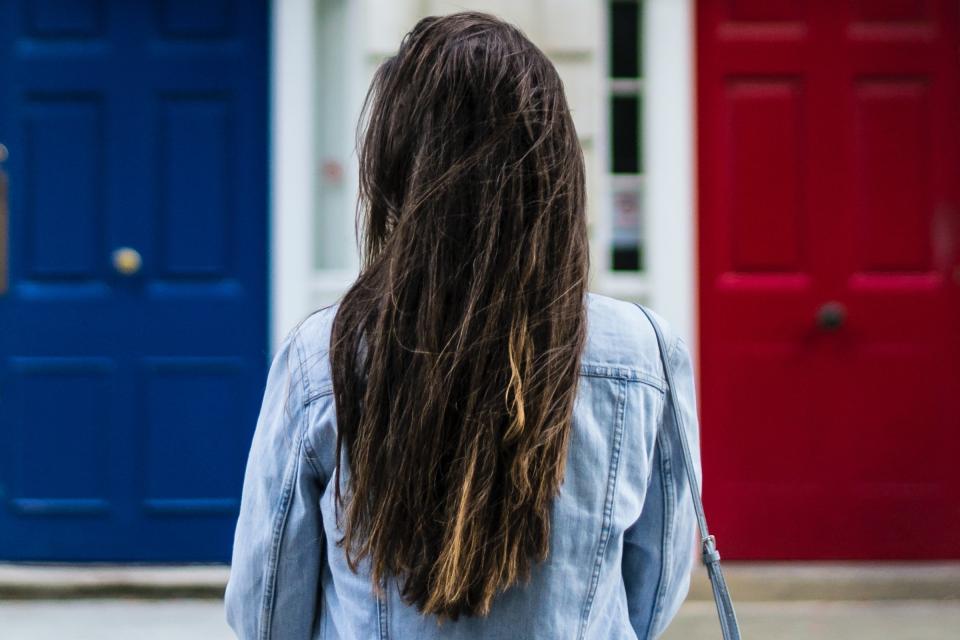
[292, 165]
[669, 153]
[669, 280]
[630, 285]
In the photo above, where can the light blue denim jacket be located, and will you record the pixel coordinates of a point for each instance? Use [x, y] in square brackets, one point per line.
[623, 530]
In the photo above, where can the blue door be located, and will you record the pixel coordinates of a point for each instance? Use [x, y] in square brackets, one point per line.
[133, 234]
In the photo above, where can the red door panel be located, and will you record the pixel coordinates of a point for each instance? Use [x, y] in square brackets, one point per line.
[829, 243]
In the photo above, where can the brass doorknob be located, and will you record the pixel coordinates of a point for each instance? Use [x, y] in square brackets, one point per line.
[831, 316]
[127, 261]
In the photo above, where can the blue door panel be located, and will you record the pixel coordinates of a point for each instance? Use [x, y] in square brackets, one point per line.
[63, 18]
[57, 246]
[127, 400]
[178, 438]
[195, 209]
[75, 392]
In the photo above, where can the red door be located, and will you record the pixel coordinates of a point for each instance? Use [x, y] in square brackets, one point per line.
[829, 243]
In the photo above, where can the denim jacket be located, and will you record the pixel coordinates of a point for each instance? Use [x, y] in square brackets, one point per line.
[622, 527]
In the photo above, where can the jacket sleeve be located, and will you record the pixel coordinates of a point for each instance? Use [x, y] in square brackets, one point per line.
[274, 582]
[659, 548]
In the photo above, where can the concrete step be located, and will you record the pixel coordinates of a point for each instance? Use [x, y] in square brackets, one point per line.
[749, 582]
[832, 581]
[54, 581]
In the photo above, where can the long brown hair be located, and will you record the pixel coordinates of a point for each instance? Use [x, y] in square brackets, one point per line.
[455, 354]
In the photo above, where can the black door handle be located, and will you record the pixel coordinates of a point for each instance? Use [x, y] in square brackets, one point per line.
[831, 316]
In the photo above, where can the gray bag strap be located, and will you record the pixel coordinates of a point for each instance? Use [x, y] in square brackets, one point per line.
[711, 557]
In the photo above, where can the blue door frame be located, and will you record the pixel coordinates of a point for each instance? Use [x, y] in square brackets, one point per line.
[133, 328]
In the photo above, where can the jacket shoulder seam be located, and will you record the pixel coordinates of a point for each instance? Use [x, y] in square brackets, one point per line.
[309, 453]
[283, 506]
[279, 527]
[607, 519]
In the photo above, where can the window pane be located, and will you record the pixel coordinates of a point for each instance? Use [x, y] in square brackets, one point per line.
[625, 134]
[625, 39]
[334, 246]
[627, 239]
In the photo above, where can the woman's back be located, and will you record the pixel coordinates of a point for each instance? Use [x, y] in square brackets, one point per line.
[467, 445]
[622, 527]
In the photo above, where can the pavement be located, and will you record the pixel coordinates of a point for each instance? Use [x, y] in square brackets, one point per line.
[114, 619]
[890, 620]
[774, 602]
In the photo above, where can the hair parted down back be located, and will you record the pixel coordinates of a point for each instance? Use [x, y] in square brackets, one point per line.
[455, 354]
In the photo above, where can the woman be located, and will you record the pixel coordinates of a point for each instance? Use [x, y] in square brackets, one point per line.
[468, 445]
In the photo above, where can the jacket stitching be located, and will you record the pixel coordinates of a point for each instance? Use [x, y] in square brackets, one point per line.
[301, 358]
[672, 351]
[324, 614]
[607, 511]
[667, 490]
[313, 459]
[311, 454]
[617, 372]
[382, 613]
[587, 370]
[279, 526]
[316, 395]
